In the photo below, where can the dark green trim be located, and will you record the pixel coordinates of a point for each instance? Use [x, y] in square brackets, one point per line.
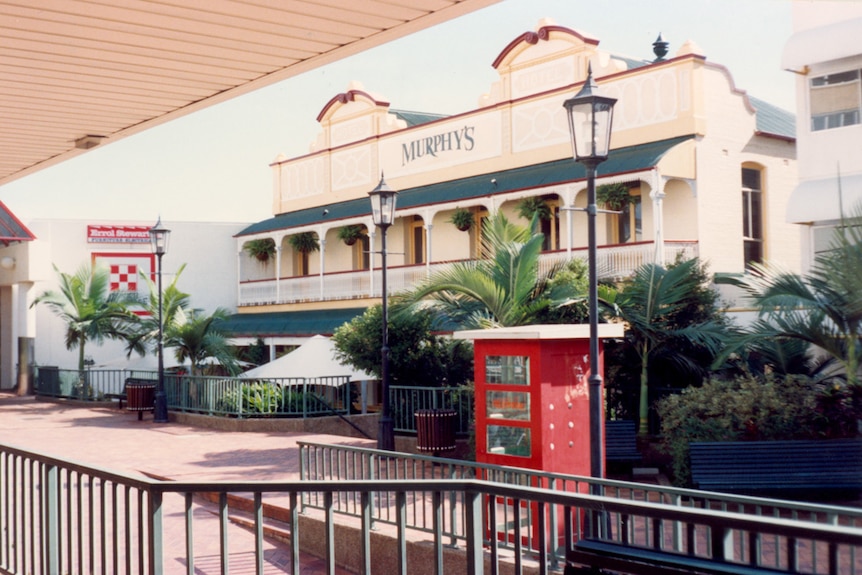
[289, 323]
[624, 160]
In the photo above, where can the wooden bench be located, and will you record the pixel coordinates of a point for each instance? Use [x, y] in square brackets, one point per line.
[621, 444]
[124, 396]
[594, 554]
[821, 468]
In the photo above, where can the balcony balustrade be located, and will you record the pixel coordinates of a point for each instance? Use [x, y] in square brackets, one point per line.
[614, 262]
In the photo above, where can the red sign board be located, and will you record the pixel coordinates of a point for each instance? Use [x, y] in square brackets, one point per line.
[118, 234]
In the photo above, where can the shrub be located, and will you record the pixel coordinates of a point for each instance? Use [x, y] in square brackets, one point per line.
[753, 408]
[264, 398]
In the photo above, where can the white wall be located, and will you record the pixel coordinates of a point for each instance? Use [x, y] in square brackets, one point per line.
[210, 276]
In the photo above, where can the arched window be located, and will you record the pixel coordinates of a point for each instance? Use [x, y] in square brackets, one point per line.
[752, 215]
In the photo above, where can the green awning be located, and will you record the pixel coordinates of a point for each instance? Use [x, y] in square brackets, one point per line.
[621, 161]
[288, 323]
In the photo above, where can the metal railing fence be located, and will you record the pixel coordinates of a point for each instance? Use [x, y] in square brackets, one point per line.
[211, 395]
[57, 516]
[405, 401]
[323, 462]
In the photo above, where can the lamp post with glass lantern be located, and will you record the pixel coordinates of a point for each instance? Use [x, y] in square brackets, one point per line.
[590, 115]
[383, 213]
[159, 239]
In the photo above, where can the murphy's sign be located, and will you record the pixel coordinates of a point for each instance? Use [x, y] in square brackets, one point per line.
[460, 139]
[442, 144]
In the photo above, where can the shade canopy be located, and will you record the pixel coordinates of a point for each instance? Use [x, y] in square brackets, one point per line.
[313, 359]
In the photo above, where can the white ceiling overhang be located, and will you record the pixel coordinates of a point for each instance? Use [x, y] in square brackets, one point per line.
[822, 44]
[824, 200]
[75, 74]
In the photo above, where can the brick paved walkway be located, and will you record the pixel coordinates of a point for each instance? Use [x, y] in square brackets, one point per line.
[116, 440]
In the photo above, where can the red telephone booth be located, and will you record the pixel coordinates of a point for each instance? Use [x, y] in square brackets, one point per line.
[532, 395]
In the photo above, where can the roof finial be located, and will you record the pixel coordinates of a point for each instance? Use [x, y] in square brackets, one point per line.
[659, 48]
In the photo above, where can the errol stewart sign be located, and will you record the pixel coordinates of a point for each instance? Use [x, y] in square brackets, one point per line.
[118, 234]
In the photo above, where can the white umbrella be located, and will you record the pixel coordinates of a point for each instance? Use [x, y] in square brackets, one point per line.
[313, 359]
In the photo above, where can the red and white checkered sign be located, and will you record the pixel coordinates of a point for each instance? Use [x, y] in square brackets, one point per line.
[124, 277]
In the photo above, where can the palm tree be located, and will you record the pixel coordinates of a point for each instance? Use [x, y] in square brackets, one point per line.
[504, 290]
[822, 308]
[650, 304]
[193, 336]
[173, 300]
[91, 311]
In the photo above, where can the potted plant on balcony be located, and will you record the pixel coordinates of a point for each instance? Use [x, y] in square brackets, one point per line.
[614, 196]
[534, 206]
[263, 250]
[305, 242]
[350, 234]
[462, 219]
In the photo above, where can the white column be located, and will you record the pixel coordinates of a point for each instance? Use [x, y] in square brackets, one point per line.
[371, 249]
[657, 195]
[278, 272]
[428, 228]
[322, 252]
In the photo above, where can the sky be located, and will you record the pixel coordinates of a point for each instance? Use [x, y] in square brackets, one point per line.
[213, 165]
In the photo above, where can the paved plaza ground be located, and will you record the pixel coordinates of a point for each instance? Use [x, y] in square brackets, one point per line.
[116, 440]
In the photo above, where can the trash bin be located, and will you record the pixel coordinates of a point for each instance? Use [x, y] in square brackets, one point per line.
[140, 397]
[435, 430]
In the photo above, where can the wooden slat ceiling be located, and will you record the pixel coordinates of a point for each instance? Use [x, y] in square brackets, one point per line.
[79, 73]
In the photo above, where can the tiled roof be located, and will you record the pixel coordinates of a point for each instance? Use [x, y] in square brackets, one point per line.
[773, 120]
[11, 229]
[621, 161]
[416, 118]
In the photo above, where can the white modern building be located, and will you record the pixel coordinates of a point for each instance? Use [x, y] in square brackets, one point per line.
[825, 53]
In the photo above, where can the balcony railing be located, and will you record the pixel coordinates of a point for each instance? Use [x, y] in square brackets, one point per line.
[612, 262]
[57, 516]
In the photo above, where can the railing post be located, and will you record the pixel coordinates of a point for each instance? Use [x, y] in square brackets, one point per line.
[473, 534]
[51, 518]
[155, 529]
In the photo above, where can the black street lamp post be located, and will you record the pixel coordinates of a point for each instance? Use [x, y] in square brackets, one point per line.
[159, 238]
[590, 116]
[383, 213]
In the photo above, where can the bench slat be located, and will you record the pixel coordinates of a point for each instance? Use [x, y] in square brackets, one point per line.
[777, 465]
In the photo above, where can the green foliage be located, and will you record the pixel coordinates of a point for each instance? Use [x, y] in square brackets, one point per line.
[822, 308]
[505, 289]
[416, 355]
[194, 336]
[305, 242]
[264, 398]
[349, 234]
[673, 329]
[534, 207]
[754, 408]
[262, 249]
[257, 353]
[462, 219]
[90, 310]
[614, 196]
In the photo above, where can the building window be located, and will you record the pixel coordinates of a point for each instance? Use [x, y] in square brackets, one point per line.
[362, 253]
[300, 263]
[416, 240]
[752, 216]
[551, 227]
[627, 226]
[835, 100]
[481, 220]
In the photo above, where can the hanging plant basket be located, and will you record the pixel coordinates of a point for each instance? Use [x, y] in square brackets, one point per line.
[614, 196]
[263, 250]
[350, 234]
[534, 206]
[462, 219]
[305, 243]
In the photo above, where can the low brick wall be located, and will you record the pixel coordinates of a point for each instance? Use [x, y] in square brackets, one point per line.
[331, 425]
